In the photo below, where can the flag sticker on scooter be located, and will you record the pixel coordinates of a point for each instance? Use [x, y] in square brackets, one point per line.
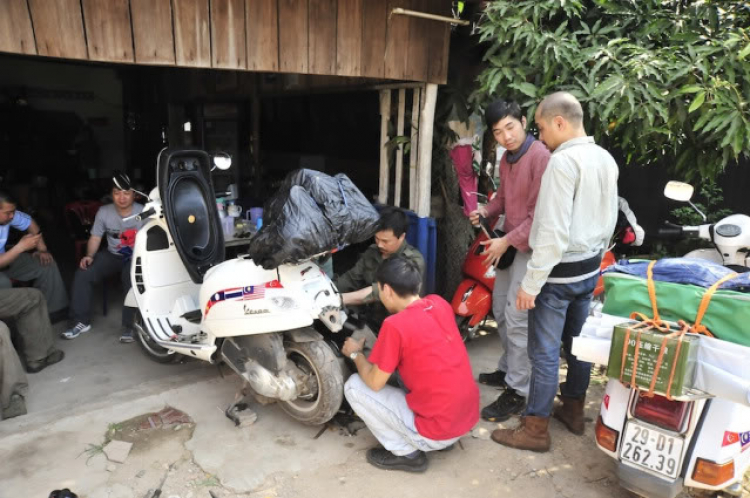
[253, 292]
[736, 437]
[247, 293]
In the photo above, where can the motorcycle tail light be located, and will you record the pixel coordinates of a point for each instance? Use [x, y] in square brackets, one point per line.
[606, 437]
[712, 473]
[660, 411]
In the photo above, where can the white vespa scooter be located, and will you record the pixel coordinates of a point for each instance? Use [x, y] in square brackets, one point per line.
[703, 442]
[191, 302]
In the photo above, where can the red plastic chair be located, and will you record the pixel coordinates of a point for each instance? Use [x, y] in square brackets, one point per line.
[79, 216]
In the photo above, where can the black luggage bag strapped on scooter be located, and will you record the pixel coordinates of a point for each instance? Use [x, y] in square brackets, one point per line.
[312, 213]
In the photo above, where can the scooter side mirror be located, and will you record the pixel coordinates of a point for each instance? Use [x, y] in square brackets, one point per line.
[678, 191]
[222, 161]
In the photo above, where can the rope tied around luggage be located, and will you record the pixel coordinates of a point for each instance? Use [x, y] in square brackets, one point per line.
[646, 323]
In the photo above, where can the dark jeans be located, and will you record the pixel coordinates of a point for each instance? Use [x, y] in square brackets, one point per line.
[105, 264]
[561, 310]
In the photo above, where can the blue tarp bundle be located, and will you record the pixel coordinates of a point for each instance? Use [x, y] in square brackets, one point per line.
[685, 271]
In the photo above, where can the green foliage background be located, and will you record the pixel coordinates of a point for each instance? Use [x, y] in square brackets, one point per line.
[664, 81]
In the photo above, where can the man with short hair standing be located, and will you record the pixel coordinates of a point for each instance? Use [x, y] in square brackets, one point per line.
[96, 265]
[574, 220]
[521, 170]
[440, 402]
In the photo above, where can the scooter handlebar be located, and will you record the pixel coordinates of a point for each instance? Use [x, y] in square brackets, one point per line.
[670, 232]
[484, 223]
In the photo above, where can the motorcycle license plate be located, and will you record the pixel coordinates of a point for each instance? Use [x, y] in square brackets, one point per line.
[652, 449]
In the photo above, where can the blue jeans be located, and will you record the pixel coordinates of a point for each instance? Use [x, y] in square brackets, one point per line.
[561, 310]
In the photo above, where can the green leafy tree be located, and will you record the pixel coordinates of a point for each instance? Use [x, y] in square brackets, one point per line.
[665, 81]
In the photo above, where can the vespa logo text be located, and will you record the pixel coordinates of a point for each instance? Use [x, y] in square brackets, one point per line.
[255, 311]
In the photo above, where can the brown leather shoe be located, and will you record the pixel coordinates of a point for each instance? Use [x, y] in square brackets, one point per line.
[531, 435]
[570, 413]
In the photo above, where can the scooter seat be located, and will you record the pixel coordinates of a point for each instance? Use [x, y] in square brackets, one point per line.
[189, 204]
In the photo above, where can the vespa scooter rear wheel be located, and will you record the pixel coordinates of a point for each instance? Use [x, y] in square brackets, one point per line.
[324, 382]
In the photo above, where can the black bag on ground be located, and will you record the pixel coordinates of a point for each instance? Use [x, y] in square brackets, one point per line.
[312, 213]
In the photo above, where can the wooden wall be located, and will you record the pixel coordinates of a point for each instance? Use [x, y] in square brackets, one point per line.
[327, 37]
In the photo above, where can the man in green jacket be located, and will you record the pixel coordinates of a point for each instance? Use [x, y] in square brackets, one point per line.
[358, 286]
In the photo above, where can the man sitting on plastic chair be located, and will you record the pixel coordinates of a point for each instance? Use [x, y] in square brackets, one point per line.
[18, 263]
[96, 265]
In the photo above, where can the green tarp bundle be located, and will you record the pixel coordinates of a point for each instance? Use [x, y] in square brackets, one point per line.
[728, 315]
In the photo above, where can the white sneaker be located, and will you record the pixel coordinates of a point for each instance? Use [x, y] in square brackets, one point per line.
[74, 332]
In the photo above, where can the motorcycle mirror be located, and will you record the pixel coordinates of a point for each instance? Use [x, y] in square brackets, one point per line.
[678, 191]
[222, 160]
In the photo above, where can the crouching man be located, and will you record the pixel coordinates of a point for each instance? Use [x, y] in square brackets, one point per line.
[439, 402]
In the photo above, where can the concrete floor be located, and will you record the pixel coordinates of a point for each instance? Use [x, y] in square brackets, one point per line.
[102, 382]
[97, 365]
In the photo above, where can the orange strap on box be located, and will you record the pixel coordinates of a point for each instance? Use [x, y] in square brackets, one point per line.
[699, 328]
[680, 334]
[652, 291]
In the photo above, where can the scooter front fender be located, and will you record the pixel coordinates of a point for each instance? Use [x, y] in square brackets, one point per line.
[472, 299]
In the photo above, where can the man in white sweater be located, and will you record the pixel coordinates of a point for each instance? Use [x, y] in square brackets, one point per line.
[574, 219]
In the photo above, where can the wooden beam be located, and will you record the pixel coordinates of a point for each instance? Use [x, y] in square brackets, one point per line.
[424, 173]
[262, 25]
[152, 31]
[400, 152]
[439, 37]
[58, 28]
[16, 33]
[397, 42]
[293, 36]
[192, 33]
[385, 117]
[414, 150]
[418, 50]
[228, 34]
[323, 33]
[349, 39]
[108, 30]
[375, 19]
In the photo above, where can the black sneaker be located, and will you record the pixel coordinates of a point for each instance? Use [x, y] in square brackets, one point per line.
[496, 379]
[507, 404]
[384, 459]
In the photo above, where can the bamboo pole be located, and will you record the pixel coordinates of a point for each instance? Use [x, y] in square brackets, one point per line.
[400, 151]
[385, 116]
[424, 173]
[414, 151]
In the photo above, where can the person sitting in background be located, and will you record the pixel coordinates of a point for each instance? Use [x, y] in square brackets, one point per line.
[439, 402]
[96, 265]
[38, 267]
[14, 385]
[358, 285]
[27, 308]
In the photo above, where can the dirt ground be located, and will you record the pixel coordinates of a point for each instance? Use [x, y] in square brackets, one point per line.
[185, 447]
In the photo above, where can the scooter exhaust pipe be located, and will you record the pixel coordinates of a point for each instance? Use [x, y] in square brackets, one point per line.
[262, 380]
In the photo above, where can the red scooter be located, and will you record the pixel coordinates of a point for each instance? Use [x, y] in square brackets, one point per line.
[472, 301]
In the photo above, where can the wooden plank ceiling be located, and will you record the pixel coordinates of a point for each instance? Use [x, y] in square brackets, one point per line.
[355, 38]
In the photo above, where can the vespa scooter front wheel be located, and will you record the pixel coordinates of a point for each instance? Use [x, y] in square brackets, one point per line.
[148, 346]
[318, 373]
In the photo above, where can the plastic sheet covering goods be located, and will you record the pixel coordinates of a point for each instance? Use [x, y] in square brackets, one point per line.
[312, 213]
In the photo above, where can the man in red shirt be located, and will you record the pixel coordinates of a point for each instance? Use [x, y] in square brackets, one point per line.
[521, 170]
[440, 402]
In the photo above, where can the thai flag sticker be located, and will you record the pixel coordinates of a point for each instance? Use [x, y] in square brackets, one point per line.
[253, 292]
